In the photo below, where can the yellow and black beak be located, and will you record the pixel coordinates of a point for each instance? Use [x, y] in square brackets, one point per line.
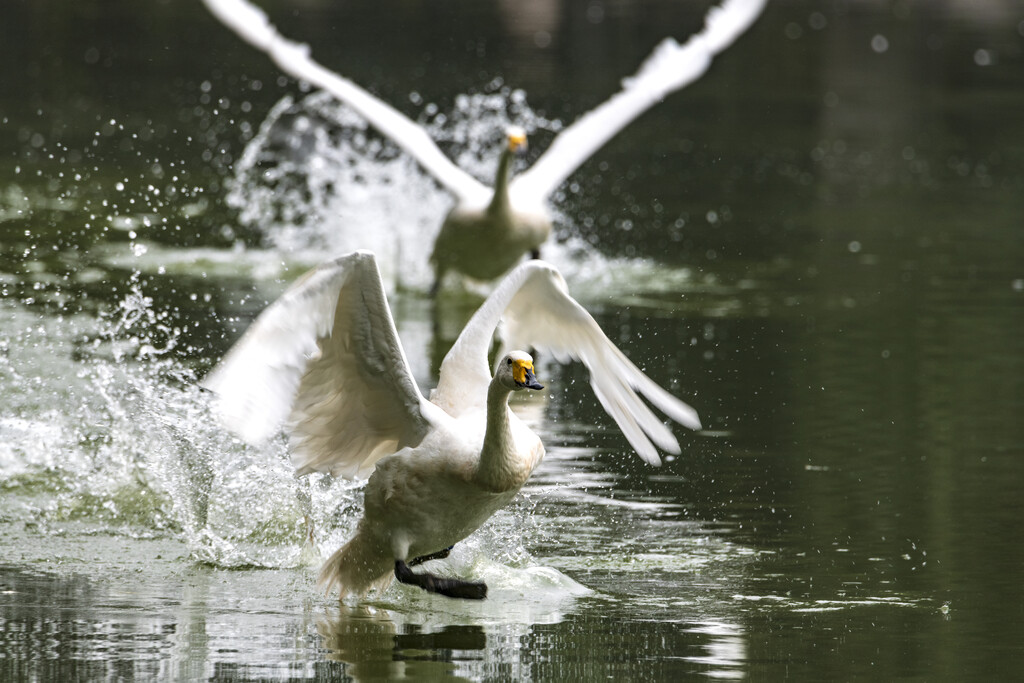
[517, 142]
[522, 373]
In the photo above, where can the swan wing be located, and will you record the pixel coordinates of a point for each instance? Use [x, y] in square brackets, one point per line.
[252, 24]
[325, 358]
[534, 303]
[670, 67]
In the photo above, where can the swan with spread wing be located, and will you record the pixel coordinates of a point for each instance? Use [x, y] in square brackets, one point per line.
[491, 228]
[325, 360]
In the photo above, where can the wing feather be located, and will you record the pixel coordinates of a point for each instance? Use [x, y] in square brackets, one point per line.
[544, 316]
[670, 66]
[252, 24]
[534, 304]
[325, 358]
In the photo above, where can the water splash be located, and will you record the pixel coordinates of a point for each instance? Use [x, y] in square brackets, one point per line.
[316, 178]
[107, 432]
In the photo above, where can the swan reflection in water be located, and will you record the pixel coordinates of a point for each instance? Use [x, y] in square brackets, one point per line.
[370, 642]
[384, 644]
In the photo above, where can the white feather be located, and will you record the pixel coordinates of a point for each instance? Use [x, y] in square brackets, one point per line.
[293, 58]
[538, 312]
[671, 66]
[325, 359]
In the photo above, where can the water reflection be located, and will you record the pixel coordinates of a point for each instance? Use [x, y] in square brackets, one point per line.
[212, 624]
[376, 646]
[369, 641]
[726, 653]
[93, 631]
[69, 627]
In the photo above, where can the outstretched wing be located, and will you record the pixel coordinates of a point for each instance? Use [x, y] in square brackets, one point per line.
[325, 359]
[534, 303]
[670, 67]
[251, 23]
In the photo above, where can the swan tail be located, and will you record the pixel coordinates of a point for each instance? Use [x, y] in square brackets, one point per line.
[357, 567]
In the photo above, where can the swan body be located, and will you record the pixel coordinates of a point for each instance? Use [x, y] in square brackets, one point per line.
[514, 212]
[468, 233]
[325, 359]
[485, 241]
[408, 509]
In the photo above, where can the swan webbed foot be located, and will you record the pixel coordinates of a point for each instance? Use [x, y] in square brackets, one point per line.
[453, 588]
[439, 555]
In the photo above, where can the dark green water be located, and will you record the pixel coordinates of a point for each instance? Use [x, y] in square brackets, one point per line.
[818, 245]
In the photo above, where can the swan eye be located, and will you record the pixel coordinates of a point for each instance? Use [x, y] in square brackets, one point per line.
[509, 361]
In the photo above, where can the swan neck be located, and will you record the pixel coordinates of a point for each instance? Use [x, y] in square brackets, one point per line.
[498, 467]
[500, 200]
[468, 356]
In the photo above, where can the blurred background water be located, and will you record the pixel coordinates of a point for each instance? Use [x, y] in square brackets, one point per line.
[817, 245]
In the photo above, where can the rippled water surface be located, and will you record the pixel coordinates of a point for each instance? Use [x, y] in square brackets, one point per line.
[817, 245]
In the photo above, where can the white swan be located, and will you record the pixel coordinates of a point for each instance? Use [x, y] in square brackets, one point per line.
[513, 212]
[325, 358]
[484, 241]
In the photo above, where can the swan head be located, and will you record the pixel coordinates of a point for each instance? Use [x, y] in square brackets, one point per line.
[516, 137]
[515, 372]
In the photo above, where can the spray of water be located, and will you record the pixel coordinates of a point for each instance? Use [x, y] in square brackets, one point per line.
[316, 178]
[106, 432]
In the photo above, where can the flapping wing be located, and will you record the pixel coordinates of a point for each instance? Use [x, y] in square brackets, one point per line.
[544, 316]
[325, 358]
[538, 312]
[251, 24]
[670, 67]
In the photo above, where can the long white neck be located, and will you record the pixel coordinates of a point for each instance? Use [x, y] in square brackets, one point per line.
[500, 201]
[464, 371]
[499, 468]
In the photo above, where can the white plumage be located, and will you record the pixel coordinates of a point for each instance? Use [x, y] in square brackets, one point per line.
[325, 360]
[514, 213]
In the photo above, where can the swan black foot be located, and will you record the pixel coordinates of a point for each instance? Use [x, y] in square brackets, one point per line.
[439, 555]
[453, 588]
